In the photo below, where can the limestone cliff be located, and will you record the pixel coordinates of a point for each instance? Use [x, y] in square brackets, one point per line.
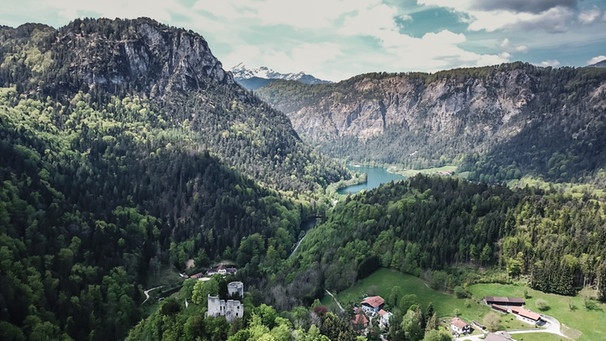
[429, 119]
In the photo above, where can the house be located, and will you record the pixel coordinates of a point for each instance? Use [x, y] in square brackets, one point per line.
[459, 326]
[506, 301]
[527, 315]
[360, 321]
[221, 270]
[231, 309]
[384, 320]
[500, 308]
[371, 305]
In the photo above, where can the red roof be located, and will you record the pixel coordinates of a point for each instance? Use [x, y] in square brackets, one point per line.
[360, 319]
[459, 323]
[382, 312]
[374, 301]
[527, 313]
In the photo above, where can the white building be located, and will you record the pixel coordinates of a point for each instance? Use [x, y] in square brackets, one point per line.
[235, 288]
[231, 309]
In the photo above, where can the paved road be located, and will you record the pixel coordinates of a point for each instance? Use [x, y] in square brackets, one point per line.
[146, 292]
[552, 326]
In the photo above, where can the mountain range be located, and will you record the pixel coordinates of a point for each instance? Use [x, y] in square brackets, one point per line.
[254, 78]
[130, 158]
[499, 122]
[126, 151]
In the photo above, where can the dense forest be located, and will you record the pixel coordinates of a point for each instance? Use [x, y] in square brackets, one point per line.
[498, 122]
[111, 174]
[433, 226]
[129, 159]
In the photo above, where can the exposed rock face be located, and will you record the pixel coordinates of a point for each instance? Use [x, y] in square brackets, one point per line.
[366, 107]
[414, 116]
[139, 54]
[152, 55]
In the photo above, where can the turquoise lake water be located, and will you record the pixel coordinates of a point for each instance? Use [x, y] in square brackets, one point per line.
[375, 176]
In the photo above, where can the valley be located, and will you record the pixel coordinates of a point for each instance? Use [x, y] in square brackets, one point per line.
[131, 162]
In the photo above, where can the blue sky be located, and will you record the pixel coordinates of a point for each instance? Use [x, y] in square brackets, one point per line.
[337, 39]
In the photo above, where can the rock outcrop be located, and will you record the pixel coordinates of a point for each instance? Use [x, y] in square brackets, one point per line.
[430, 119]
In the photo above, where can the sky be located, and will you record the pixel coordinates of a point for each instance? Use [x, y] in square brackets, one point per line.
[337, 39]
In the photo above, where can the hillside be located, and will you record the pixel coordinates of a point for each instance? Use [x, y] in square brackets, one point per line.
[500, 122]
[175, 71]
[126, 151]
[436, 227]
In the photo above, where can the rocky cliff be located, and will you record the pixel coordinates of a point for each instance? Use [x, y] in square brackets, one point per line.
[174, 72]
[114, 54]
[431, 119]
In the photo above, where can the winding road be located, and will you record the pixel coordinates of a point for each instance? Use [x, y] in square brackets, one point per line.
[552, 326]
[146, 292]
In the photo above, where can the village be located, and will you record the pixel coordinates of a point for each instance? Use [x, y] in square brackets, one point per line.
[373, 307]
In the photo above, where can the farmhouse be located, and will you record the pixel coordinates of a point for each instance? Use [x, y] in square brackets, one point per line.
[459, 326]
[360, 321]
[506, 301]
[527, 315]
[371, 305]
[385, 316]
[500, 308]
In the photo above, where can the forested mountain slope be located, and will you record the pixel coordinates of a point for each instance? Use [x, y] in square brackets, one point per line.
[425, 225]
[125, 150]
[175, 71]
[499, 121]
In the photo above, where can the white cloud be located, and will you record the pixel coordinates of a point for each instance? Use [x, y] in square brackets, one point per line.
[590, 16]
[596, 59]
[550, 62]
[508, 47]
[556, 19]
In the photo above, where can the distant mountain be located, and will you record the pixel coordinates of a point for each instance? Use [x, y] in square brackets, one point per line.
[504, 121]
[601, 63]
[253, 79]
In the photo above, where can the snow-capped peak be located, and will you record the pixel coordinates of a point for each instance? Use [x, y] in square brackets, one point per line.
[241, 72]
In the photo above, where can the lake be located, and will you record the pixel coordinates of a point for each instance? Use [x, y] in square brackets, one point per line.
[375, 176]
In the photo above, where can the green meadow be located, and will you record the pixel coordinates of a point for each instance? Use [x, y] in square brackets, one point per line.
[582, 319]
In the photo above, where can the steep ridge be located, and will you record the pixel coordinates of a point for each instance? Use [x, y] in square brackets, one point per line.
[504, 115]
[176, 72]
[127, 152]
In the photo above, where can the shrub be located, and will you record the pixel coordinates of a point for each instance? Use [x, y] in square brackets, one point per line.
[542, 305]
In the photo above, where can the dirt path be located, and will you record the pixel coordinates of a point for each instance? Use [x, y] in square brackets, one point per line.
[335, 299]
[146, 292]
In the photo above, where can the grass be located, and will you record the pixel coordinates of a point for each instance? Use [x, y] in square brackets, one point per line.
[413, 172]
[577, 321]
[538, 337]
[383, 280]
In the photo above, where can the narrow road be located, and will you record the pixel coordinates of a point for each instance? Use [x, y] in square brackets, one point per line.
[335, 299]
[552, 327]
[146, 292]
